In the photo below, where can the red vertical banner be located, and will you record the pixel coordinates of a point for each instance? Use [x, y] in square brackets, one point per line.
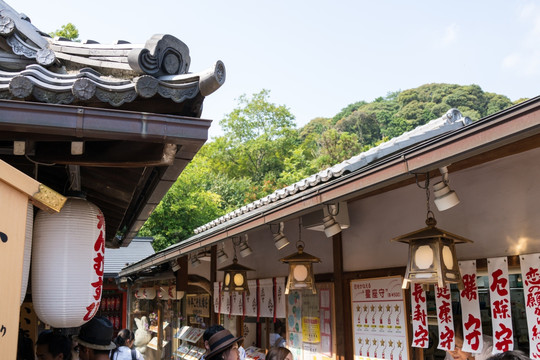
[419, 317]
[470, 308]
[530, 273]
[445, 320]
[501, 316]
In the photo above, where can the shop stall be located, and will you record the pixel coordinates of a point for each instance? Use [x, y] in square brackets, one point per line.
[457, 198]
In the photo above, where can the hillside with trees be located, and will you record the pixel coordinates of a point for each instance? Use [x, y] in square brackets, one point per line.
[261, 150]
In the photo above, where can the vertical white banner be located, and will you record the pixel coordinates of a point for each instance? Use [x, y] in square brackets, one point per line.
[530, 273]
[470, 308]
[251, 299]
[237, 303]
[501, 316]
[419, 316]
[445, 320]
[266, 298]
[281, 310]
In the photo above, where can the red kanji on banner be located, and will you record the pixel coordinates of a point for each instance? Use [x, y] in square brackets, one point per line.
[447, 337]
[504, 338]
[499, 284]
[473, 335]
[470, 288]
[418, 294]
[532, 277]
[445, 312]
[443, 292]
[421, 336]
[500, 309]
[419, 314]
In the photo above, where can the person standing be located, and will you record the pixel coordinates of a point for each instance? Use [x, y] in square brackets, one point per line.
[53, 346]
[95, 339]
[125, 350]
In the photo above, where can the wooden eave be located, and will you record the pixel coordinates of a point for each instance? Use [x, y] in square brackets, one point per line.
[130, 159]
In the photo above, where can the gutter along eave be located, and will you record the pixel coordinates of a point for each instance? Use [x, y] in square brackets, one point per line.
[475, 143]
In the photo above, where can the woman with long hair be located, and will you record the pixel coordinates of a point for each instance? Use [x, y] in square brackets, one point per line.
[124, 344]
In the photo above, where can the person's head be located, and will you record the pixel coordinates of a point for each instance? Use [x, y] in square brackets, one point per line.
[279, 353]
[458, 353]
[510, 355]
[209, 332]
[95, 338]
[53, 346]
[125, 338]
[223, 346]
[74, 349]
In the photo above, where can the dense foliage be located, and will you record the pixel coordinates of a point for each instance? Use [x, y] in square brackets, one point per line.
[261, 150]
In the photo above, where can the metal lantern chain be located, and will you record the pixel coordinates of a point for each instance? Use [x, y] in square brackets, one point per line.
[430, 217]
[299, 242]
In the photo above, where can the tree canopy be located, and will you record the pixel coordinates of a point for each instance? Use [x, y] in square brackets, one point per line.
[261, 150]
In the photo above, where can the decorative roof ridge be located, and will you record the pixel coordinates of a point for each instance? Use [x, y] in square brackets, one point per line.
[452, 120]
[51, 87]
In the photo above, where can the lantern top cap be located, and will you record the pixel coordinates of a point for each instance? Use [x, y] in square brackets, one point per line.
[430, 232]
[235, 266]
[300, 256]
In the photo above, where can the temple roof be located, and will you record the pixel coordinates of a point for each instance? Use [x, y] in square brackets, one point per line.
[36, 67]
[114, 123]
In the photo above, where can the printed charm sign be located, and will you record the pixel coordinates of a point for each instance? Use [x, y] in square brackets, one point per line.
[419, 317]
[445, 319]
[530, 272]
[499, 292]
[378, 318]
[470, 307]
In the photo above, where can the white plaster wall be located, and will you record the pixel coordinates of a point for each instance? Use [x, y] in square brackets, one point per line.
[265, 257]
[499, 211]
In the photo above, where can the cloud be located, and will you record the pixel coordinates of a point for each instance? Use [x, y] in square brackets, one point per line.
[525, 59]
[450, 34]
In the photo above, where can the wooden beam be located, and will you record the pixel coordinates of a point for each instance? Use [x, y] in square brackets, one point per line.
[105, 153]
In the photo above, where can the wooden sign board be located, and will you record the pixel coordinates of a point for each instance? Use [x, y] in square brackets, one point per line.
[16, 189]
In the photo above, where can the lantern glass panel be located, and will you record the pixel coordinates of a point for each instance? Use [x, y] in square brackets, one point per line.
[448, 257]
[227, 279]
[300, 272]
[423, 257]
[238, 279]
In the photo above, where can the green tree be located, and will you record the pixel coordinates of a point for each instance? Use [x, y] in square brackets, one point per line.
[258, 137]
[68, 31]
[186, 206]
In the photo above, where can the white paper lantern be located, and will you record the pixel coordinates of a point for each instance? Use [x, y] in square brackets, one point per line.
[162, 293]
[149, 293]
[68, 264]
[27, 249]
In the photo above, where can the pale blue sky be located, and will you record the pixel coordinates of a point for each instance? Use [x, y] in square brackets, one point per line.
[316, 57]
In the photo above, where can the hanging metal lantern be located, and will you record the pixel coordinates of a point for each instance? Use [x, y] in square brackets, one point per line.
[300, 267]
[432, 253]
[68, 264]
[235, 275]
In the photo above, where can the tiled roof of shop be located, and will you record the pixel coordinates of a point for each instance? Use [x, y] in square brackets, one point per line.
[117, 259]
[450, 121]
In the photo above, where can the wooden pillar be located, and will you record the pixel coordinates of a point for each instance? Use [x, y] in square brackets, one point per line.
[343, 327]
[214, 318]
[16, 189]
[182, 276]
